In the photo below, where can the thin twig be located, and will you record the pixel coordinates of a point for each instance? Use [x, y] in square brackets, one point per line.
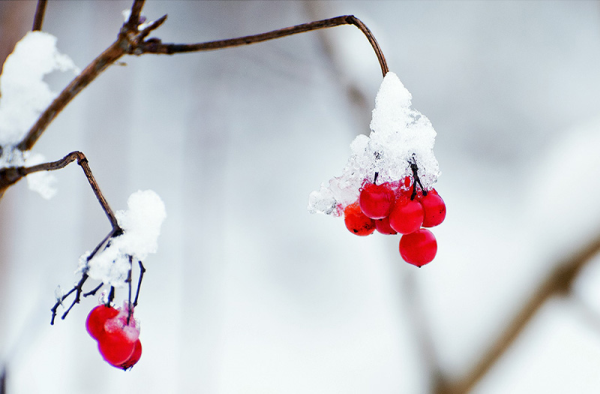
[155, 46]
[129, 308]
[132, 41]
[38, 19]
[78, 288]
[83, 163]
[94, 290]
[137, 292]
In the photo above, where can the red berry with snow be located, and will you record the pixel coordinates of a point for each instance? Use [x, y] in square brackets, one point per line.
[96, 319]
[376, 201]
[357, 222]
[434, 209]
[406, 216]
[418, 248]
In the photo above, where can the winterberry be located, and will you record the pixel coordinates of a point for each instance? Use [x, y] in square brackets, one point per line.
[434, 209]
[418, 248]
[376, 200]
[96, 319]
[116, 347]
[383, 226]
[357, 222]
[406, 216]
[134, 358]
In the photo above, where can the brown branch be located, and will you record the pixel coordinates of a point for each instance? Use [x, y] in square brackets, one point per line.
[83, 163]
[131, 41]
[38, 19]
[155, 46]
[558, 282]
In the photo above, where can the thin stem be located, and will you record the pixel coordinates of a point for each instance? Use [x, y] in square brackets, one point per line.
[93, 291]
[129, 308]
[83, 163]
[77, 289]
[156, 47]
[137, 292]
[38, 19]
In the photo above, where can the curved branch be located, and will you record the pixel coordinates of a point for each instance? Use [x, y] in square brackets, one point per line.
[83, 163]
[155, 46]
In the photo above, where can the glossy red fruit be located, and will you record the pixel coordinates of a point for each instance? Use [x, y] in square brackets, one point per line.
[134, 358]
[418, 248]
[406, 216]
[383, 226]
[96, 319]
[376, 201]
[357, 222]
[116, 347]
[434, 209]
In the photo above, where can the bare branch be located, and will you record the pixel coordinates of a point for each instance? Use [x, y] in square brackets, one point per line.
[83, 163]
[38, 19]
[156, 47]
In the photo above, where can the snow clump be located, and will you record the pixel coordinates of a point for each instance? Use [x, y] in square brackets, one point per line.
[399, 135]
[24, 95]
[141, 227]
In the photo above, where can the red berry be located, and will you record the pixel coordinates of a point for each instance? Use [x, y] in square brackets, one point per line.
[116, 347]
[383, 226]
[433, 208]
[357, 222]
[96, 319]
[134, 358]
[376, 200]
[418, 248]
[406, 216]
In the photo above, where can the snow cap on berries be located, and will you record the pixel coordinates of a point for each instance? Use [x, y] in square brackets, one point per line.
[399, 136]
[141, 227]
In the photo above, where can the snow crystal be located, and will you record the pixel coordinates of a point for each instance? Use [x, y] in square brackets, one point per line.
[399, 135]
[141, 227]
[24, 93]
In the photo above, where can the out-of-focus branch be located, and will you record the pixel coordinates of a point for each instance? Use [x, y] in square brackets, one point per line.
[38, 19]
[559, 282]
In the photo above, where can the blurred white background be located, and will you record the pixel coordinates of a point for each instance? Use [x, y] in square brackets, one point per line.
[249, 293]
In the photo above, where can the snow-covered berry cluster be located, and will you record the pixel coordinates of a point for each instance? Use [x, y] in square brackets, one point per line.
[117, 333]
[392, 208]
[387, 184]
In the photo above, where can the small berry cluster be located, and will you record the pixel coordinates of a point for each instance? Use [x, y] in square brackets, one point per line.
[399, 207]
[117, 334]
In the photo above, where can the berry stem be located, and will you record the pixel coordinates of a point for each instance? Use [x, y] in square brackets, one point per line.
[129, 309]
[137, 292]
[415, 169]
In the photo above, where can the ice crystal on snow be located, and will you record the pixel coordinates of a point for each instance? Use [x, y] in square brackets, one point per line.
[141, 227]
[399, 135]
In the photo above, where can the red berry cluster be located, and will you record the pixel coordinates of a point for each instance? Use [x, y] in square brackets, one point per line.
[117, 335]
[395, 207]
